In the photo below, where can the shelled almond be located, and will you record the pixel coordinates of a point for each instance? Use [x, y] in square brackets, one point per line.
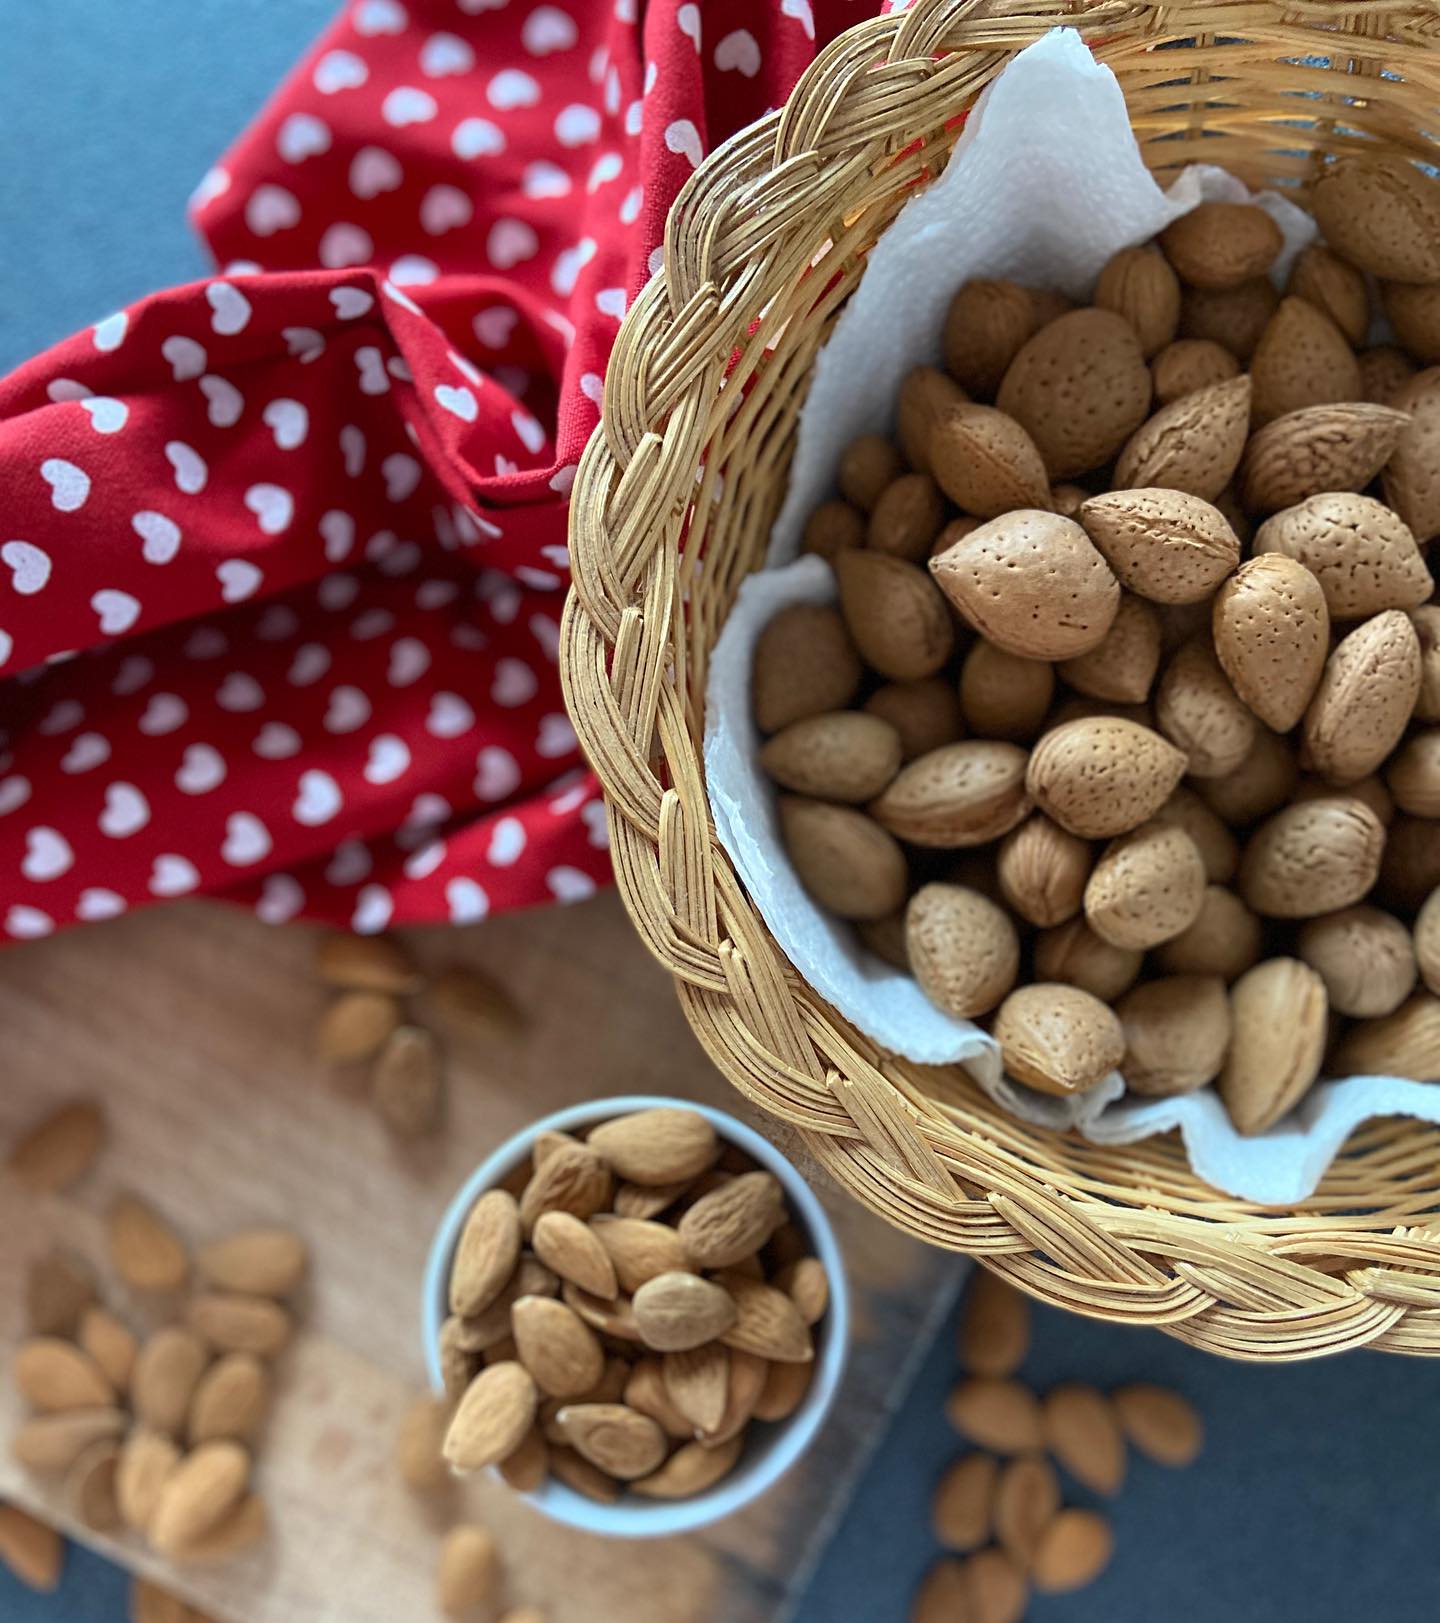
[658, 1341]
[1003, 1521]
[156, 1433]
[1176, 600]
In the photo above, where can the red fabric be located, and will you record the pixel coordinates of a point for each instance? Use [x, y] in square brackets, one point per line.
[285, 550]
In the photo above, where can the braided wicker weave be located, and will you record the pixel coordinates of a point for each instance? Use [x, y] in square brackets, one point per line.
[1128, 1235]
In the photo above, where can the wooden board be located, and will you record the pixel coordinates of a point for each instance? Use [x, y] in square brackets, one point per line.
[193, 1025]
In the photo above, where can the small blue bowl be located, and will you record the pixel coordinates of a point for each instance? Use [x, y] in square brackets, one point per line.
[771, 1448]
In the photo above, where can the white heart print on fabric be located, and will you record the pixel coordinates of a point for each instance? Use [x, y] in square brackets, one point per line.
[444, 55]
[350, 863]
[542, 179]
[240, 693]
[509, 242]
[238, 578]
[191, 473]
[134, 672]
[374, 908]
[225, 401]
[738, 51]
[281, 898]
[206, 642]
[801, 11]
[514, 683]
[317, 799]
[165, 713]
[511, 88]
[61, 717]
[556, 737]
[302, 136]
[443, 208]
[348, 710]
[69, 485]
[172, 875]
[96, 903]
[343, 245]
[273, 507]
[278, 622]
[29, 566]
[409, 660]
[370, 364]
[576, 125]
[117, 611]
[247, 840]
[14, 792]
[337, 531]
[159, 536]
[687, 20]
[339, 70]
[449, 716]
[187, 358]
[380, 17]
[507, 842]
[351, 302]
[497, 773]
[86, 752]
[458, 400]
[548, 29]
[466, 900]
[126, 811]
[276, 741]
[109, 334]
[304, 343]
[28, 923]
[406, 105]
[401, 474]
[201, 770]
[107, 416]
[477, 138]
[567, 884]
[411, 270]
[373, 170]
[47, 855]
[230, 309]
[683, 138]
[271, 208]
[389, 759]
[426, 859]
[288, 421]
[596, 824]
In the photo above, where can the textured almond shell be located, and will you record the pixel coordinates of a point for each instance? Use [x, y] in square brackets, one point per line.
[1414, 313]
[1218, 847]
[1102, 776]
[986, 463]
[844, 755]
[1365, 957]
[962, 949]
[1233, 317]
[1272, 637]
[1193, 445]
[848, 863]
[1278, 1011]
[1005, 695]
[1365, 698]
[1363, 555]
[805, 664]
[1176, 1032]
[1406, 1043]
[1383, 215]
[1166, 545]
[1080, 387]
[1220, 245]
[926, 394]
[1332, 284]
[1319, 448]
[907, 517]
[960, 795]
[985, 325]
[1264, 781]
[1042, 870]
[1201, 714]
[1147, 886]
[1190, 364]
[1073, 954]
[1057, 1039]
[1224, 940]
[898, 620]
[1140, 287]
[1312, 858]
[1412, 476]
[1122, 666]
[1302, 359]
[1032, 583]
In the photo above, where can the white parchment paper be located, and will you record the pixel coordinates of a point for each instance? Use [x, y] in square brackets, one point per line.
[1044, 185]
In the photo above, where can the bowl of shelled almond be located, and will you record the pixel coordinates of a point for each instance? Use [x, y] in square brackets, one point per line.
[638, 1310]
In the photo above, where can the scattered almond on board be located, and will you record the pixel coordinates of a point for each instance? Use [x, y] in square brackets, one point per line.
[153, 1432]
[622, 1310]
[1121, 736]
[371, 1021]
[1003, 1521]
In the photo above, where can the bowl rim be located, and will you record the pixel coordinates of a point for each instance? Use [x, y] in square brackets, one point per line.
[659, 1518]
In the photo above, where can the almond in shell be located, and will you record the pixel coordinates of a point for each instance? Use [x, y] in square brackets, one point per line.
[961, 947]
[845, 755]
[1193, 445]
[1302, 359]
[1382, 214]
[897, 618]
[1406, 1043]
[1190, 364]
[1221, 245]
[1264, 781]
[1412, 476]
[1165, 545]
[1311, 858]
[1120, 668]
[868, 466]
[986, 463]
[1057, 1039]
[831, 528]
[1005, 578]
[1200, 713]
[1176, 1032]
[1365, 698]
[1413, 774]
[1363, 554]
[1332, 284]
[1139, 286]
[985, 326]
[1384, 372]
[1074, 955]
[1305, 453]
[926, 395]
[805, 664]
[1042, 871]
[961, 795]
[1218, 847]
[1365, 957]
[907, 517]
[1080, 388]
[1224, 941]
[1147, 887]
[925, 714]
[1004, 695]
[1279, 1013]
[847, 861]
[1233, 317]
[1102, 776]
[1272, 636]
[1414, 313]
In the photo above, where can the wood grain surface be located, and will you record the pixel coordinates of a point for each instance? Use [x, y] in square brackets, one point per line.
[193, 1025]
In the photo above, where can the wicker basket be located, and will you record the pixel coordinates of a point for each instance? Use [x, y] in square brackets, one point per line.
[1128, 1235]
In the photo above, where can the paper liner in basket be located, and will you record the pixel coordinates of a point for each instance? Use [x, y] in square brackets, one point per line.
[1045, 184]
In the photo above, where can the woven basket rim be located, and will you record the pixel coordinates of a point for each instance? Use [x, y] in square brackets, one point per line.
[1123, 1236]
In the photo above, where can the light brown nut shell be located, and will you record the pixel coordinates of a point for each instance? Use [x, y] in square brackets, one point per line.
[1225, 939]
[1332, 284]
[1140, 287]
[1147, 887]
[1102, 776]
[1412, 476]
[1218, 847]
[1279, 1020]
[1042, 870]
[1120, 668]
[1384, 372]
[1312, 858]
[985, 326]
[986, 463]
[849, 864]
[898, 620]
[1316, 449]
[1221, 245]
[1165, 545]
[960, 795]
[1302, 359]
[1057, 1039]
[1190, 364]
[845, 755]
[1363, 555]
[1272, 636]
[805, 664]
[1192, 445]
[1004, 695]
[1414, 313]
[926, 394]
[1263, 782]
[907, 518]
[1233, 317]
[1073, 954]
[1406, 1043]
[963, 950]
[925, 713]
[1200, 713]
[1365, 957]
[1365, 698]
[1176, 1033]
[1382, 214]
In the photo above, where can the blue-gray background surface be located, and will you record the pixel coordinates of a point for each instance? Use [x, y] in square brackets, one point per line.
[1318, 1498]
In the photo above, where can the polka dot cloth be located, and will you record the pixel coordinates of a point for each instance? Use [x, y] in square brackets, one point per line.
[284, 551]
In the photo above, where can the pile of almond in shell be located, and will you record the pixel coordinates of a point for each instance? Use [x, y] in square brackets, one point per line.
[1125, 735]
[624, 1308]
[999, 1510]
